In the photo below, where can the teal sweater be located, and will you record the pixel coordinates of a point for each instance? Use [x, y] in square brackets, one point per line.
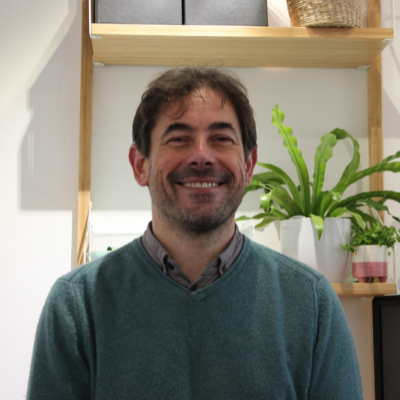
[119, 328]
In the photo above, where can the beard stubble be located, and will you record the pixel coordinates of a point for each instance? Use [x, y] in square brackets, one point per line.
[186, 219]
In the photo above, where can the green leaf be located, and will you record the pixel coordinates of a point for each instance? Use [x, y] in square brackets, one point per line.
[395, 218]
[317, 204]
[350, 201]
[378, 205]
[381, 167]
[275, 215]
[375, 204]
[366, 217]
[254, 185]
[329, 200]
[262, 215]
[290, 142]
[353, 165]
[243, 218]
[265, 201]
[265, 221]
[341, 211]
[319, 224]
[281, 196]
[322, 155]
[279, 214]
[390, 158]
[265, 177]
[376, 235]
[286, 178]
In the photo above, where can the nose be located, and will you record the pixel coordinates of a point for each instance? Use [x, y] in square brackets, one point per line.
[201, 154]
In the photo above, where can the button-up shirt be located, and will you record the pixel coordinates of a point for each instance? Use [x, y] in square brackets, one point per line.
[217, 267]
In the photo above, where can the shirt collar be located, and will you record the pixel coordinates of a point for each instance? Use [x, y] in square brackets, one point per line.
[214, 270]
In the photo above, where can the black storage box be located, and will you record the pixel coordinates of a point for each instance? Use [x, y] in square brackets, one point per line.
[226, 12]
[162, 12]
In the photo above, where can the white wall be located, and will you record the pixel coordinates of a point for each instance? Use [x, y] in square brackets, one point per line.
[39, 128]
[39, 132]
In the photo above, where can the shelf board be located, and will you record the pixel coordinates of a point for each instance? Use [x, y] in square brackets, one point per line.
[237, 46]
[364, 289]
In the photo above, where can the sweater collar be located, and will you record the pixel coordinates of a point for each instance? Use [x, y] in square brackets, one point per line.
[216, 268]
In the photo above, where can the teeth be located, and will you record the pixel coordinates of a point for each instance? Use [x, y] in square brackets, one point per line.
[200, 185]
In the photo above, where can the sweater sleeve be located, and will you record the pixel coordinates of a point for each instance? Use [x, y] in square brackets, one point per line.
[59, 367]
[335, 371]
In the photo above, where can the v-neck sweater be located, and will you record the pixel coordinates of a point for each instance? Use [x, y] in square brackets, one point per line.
[119, 328]
[214, 270]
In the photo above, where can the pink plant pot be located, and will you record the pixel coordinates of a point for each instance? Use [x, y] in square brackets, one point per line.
[370, 262]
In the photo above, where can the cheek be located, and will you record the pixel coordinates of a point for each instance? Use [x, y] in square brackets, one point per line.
[171, 161]
[243, 174]
[238, 167]
[161, 170]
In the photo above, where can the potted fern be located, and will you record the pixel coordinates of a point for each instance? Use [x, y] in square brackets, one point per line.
[312, 215]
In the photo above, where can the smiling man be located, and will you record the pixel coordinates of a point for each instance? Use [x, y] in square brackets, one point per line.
[193, 310]
[197, 170]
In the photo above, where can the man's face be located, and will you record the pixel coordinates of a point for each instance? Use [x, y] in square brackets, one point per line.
[196, 171]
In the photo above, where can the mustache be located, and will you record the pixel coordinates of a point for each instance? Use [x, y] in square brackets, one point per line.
[187, 173]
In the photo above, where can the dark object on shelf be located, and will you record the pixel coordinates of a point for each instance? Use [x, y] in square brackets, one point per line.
[226, 12]
[386, 325]
[162, 12]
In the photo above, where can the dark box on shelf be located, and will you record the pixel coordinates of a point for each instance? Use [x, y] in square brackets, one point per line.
[226, 12]
[162, 12]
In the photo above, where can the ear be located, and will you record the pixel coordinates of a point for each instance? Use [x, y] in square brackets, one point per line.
[250, 164]
[140, 166]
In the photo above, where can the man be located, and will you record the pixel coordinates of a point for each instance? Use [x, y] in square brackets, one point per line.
[193, 310]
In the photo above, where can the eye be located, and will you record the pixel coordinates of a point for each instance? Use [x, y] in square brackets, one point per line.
[176, 141]
[224, 140]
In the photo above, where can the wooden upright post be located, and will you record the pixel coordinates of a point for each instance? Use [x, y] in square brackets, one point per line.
[85, 138]
[375, 103]
[375, 107]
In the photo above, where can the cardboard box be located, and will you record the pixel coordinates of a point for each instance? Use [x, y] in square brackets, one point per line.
[163, 12]
[226, 12]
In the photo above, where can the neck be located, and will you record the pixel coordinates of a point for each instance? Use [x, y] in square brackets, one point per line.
[193, 252]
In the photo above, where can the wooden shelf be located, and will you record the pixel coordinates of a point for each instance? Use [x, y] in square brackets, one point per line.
[364, 289]
[237, 46]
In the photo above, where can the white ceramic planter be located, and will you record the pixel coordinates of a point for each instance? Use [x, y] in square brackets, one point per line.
[299, 240]
[370, 262]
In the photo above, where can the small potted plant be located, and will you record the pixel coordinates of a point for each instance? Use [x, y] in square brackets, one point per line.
[370, 249]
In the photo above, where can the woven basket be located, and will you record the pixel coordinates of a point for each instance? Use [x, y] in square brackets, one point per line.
[326, 13]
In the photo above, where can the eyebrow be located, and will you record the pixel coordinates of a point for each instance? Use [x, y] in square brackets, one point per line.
[218, 125]
[177, 126]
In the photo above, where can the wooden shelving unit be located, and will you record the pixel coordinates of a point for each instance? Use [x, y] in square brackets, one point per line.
[237, 46]
[229, 46]
[364, 289]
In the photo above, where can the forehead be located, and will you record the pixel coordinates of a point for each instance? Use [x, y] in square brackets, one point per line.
[205, 100]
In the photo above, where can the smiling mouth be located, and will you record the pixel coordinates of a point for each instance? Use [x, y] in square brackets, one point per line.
[200, 184]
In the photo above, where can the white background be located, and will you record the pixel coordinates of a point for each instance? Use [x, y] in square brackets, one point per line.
[39, 134]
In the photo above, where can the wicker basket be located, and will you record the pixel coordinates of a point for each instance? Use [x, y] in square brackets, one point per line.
[326, 13]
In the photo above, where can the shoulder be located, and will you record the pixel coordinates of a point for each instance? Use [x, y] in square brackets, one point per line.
[287, 274]
[116, 263]
[277, 262]
[90, 285]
